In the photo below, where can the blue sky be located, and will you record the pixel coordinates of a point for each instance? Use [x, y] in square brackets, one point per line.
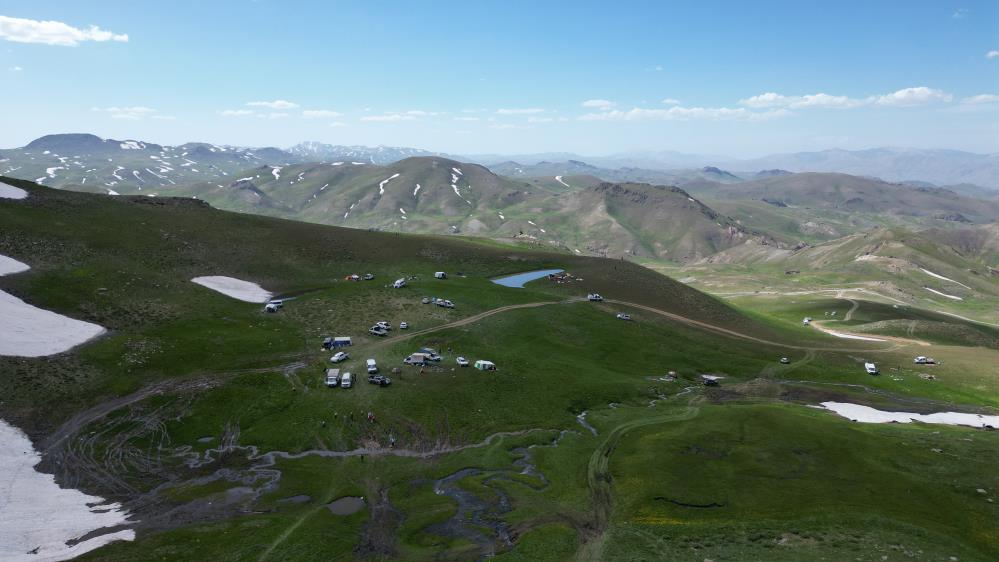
[739, 78]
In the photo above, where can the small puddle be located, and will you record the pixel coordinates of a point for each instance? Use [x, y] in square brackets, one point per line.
[347, 505]
[296, 499]
[517, 281]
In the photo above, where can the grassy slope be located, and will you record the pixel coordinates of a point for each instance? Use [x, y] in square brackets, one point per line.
[555, 361]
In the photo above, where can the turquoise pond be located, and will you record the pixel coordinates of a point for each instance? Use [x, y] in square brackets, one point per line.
[517, 281]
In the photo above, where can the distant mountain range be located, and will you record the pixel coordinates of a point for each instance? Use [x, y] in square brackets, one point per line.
[313, 151]
[69, 158]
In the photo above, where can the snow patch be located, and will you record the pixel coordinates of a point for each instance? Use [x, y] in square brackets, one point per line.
[559, 179]
[39, 516]
[381, 184]
[850, 336]
[952, 297]
[276, 172]
[938, 276]
[29, 331]
[235, 288]
[11, 192]
[132, 145]
[866, 414]
[416, 190]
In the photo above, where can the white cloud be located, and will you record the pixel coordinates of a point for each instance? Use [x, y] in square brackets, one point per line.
[164, 117]
[466, 118]
[907, 97]
[276, 104]
[394, 116]
[993, 54]
[338, 124]
[678, 113]
[773, 99]
[598, 104]
[670, 101]
[320, 114]
[505, 126]
[49, 32]
[981, 99]
[274, 115]
[960, 13]
[520, 111]
[540, 119]
[16, 69]
[388, 117]
[133, 113]
[236, 112]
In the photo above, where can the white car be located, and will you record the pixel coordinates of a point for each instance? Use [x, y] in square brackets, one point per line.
[623, 316]
[347, 381]
[403, 325]
[462, 362]
[384, 325]
[339, 356]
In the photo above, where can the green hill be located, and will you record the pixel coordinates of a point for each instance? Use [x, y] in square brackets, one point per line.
[208, 418]
[578, 214]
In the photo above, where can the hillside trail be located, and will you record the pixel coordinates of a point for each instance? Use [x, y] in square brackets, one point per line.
[899, 342]
[845, 290]
[820, 325]
[600, 481]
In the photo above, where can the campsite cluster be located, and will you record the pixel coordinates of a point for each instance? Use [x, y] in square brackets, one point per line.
[424, 357]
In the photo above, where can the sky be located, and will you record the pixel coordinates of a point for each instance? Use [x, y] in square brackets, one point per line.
[741, 79]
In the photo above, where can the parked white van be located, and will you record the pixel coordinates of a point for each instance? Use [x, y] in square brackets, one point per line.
[332, 377]
[372, 366]
[347, 381]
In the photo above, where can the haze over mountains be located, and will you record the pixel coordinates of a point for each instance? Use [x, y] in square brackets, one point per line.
[64, 158]
[679, 215]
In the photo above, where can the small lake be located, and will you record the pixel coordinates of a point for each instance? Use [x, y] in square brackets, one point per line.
[346, 505]
[517, 281]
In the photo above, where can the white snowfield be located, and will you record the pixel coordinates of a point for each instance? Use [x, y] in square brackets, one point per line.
[381, 184]
[559, 179]
[850, 336]
[938, 276]
[35, 513]
[936, 292]
[11, 192]
[866, 414]
[10, 265]
[29, 331]
[235, 288]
